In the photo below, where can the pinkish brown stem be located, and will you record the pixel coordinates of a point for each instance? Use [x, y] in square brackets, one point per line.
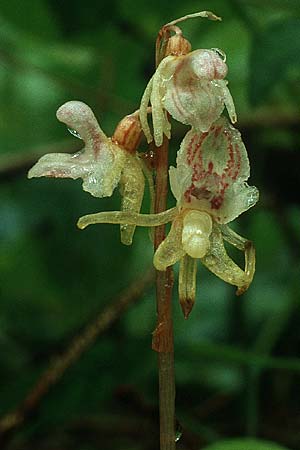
[163, 340]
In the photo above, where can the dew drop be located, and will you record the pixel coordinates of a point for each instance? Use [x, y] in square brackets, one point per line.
[178, 431]
[74, 133]
[252, 197]
[220, 53]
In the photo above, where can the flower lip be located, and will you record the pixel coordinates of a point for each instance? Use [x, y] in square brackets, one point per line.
[197, 227]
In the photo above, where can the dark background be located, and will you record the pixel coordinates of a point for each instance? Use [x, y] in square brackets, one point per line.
[237, 364]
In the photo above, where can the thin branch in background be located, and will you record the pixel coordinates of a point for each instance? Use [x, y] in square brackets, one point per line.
[73, 352]
[18, 65]
[78, 89]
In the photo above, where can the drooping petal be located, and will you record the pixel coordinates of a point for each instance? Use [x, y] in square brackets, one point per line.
[132, 184]
[144, 111]
[219, 263]
[228, 100]
[170, 250]
[211, 173]
[245, 246]
[161, 124]
[99, 163]
[187, 284]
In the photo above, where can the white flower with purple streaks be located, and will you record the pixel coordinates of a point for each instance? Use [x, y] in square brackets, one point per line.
[211, 173]
[191, 88]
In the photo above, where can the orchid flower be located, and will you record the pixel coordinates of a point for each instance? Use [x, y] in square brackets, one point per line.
[191, 88]
[103, 163]
[209, 184]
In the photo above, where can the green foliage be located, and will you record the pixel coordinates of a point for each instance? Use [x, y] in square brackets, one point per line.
[33, 17]
[275, 57]
[245, 444]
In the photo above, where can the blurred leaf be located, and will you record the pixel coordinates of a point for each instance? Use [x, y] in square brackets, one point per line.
[31, 16]
[271, 10]
[294, 220]
[245, 444]
[275, 52]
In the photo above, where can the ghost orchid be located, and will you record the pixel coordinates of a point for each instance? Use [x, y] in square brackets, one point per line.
[209, 184]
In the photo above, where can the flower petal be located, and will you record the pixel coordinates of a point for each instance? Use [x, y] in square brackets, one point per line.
[195, 93]
[144, 111]
[170, 250]
[161, 124]
[219, 263]
[99, 163]
[212, 169]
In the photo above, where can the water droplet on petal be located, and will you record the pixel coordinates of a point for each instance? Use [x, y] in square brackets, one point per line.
[74, 133]
[220, 53]
[252, 197]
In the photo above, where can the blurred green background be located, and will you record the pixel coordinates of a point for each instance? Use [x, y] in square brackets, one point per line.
[237, 364]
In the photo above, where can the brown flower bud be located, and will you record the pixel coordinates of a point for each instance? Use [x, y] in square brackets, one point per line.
[177, 45]
[128, 133]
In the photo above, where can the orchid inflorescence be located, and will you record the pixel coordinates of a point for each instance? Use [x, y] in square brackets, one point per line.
[209, 181]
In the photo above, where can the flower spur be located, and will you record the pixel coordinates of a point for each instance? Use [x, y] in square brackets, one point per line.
[209, 184]
[103, 163]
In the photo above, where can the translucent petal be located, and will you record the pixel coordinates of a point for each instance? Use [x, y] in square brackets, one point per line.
[99, 163]
[219, 263]
[132, 185]
[160, 121]
[245, 246]
[211, 173]
[127, 217]
[195, 92]
[228, 100]
[170, 250]
[144, 111]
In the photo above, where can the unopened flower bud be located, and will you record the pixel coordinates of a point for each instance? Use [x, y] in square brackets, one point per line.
[128, 133]
[177, 45]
